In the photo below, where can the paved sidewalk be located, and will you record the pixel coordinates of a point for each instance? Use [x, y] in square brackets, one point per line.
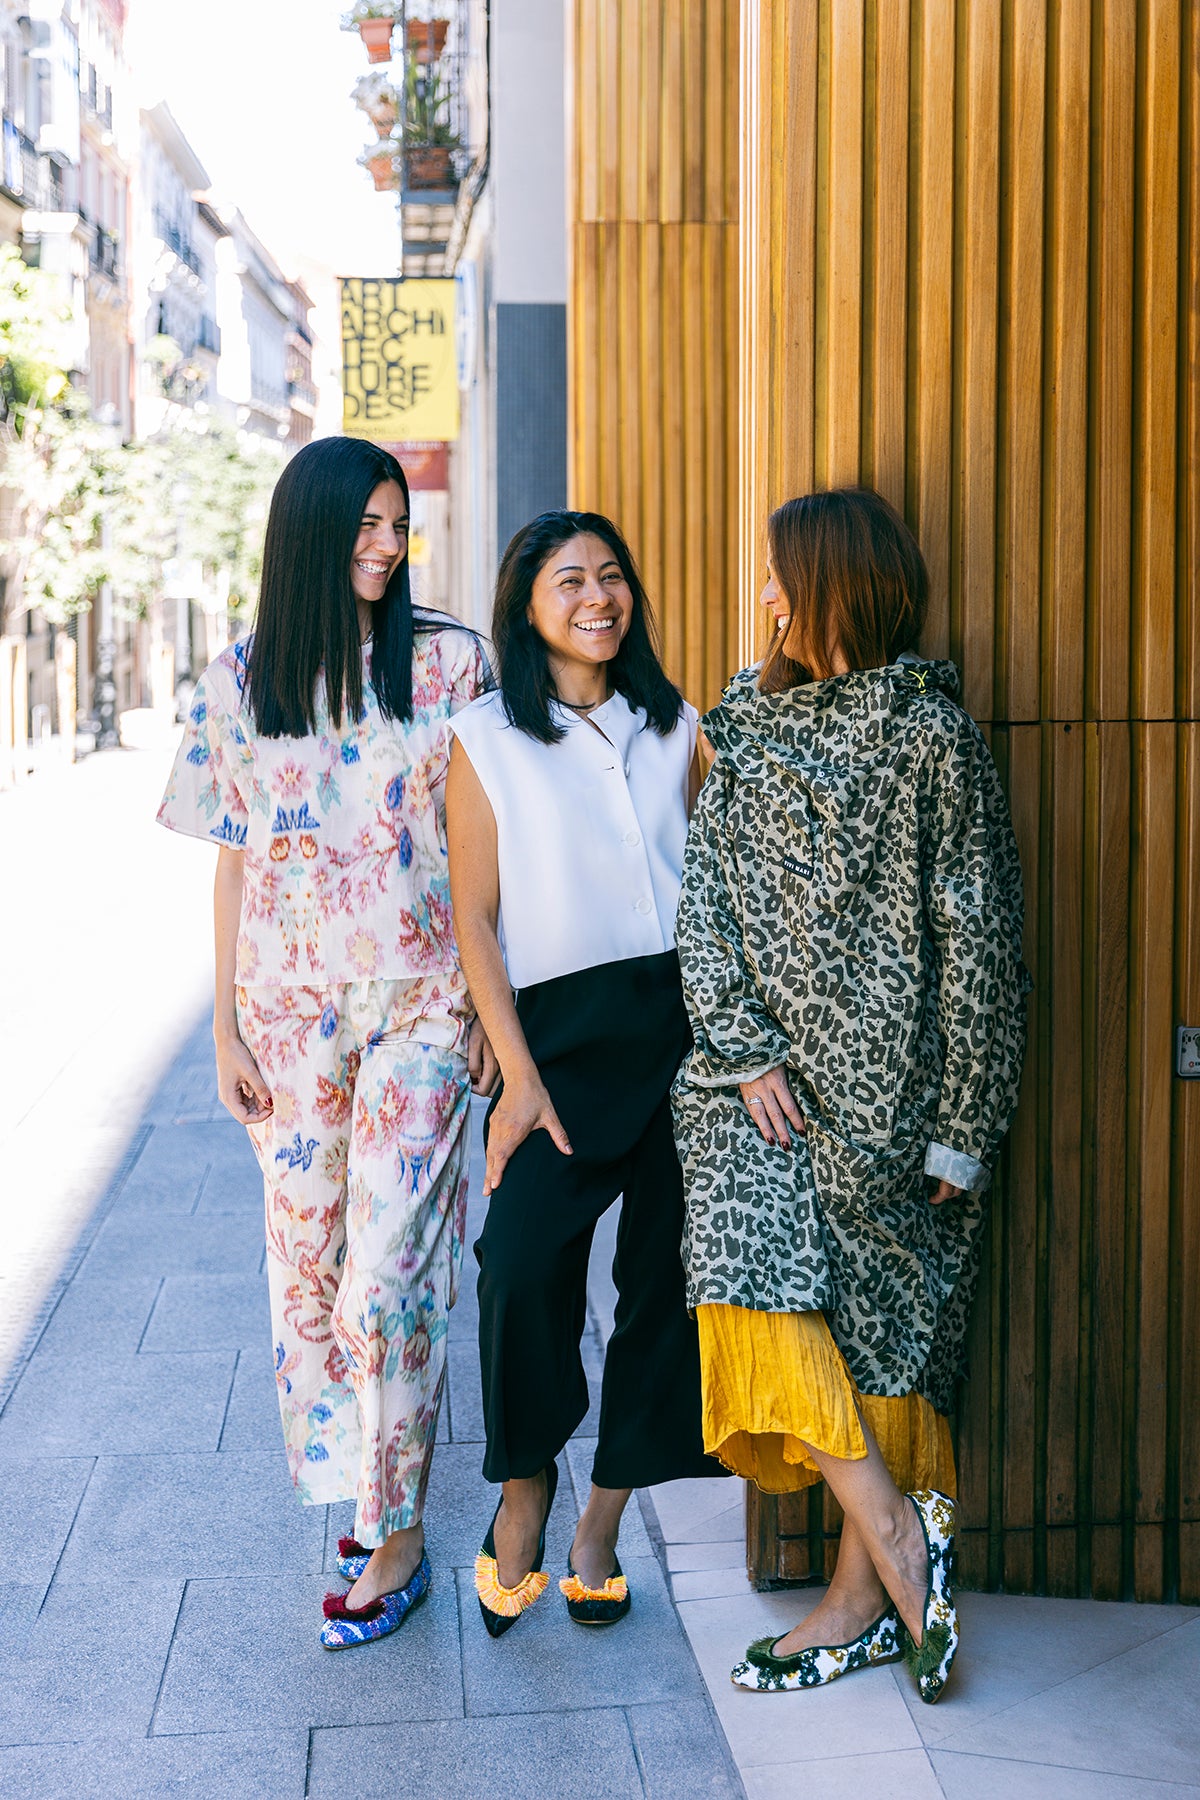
[160, 1629]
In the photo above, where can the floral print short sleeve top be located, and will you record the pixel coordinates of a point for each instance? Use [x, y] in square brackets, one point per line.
[344, 832]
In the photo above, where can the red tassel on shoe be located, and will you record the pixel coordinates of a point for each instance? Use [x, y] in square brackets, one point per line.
[352, 1547]
[335, 1608]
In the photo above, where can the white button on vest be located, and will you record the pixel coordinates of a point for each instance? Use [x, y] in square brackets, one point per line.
[643, 905]
[633, 837]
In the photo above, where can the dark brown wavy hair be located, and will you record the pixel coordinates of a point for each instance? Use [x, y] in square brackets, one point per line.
[852, 575]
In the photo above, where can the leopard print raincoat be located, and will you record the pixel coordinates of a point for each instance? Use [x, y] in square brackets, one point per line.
[852, 909]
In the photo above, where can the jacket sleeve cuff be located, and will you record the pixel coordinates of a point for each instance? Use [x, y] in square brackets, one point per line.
[954, 1166]
[702, 1074]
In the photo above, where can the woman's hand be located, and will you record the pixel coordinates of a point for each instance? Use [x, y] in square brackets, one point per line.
[241, 1088]
[522, 1108]
[944, 1191]
[771, 1105]
[482, 1066]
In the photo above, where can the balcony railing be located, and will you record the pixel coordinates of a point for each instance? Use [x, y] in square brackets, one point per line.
[104, 253]
[175, 241]
[303, 391]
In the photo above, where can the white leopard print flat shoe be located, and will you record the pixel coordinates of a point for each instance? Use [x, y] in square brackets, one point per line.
[765, 1673]
[931, 1659]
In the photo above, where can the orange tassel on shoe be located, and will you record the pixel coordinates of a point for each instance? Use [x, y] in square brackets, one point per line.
[614, 1589]
[507, 1602]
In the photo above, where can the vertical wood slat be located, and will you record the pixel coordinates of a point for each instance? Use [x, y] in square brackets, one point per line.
[1111, 230]
[1185, 1138]
[929, 375]
[1105, 1023]
[1020, 600]
[1065, 468]
[972, 580]
[1156, 422]
[1149, 1199]
[890, 288]
[844, 230]
[1043, 433]
[653, 271]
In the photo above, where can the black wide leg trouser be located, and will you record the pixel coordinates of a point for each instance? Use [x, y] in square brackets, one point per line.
[607, 1042]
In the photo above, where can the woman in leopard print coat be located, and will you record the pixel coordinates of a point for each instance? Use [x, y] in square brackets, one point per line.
[849, 936]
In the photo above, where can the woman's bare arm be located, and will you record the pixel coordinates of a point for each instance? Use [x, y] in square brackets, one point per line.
[240, 1085]
[524, 1105]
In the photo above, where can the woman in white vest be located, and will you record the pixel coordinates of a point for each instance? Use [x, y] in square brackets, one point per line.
[567, 807]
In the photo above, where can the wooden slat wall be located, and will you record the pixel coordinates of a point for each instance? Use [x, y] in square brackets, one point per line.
[969, 276]
[653, 340]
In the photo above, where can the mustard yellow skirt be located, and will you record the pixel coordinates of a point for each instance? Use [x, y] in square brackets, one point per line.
[776, 1382]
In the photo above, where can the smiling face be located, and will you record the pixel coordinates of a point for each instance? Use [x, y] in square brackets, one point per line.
[581, 603]
[382, 543]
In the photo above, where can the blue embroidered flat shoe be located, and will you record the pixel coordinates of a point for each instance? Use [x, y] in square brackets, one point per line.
[346, 1626]
[930, 1660]
[765, 1673]
[352, 1558]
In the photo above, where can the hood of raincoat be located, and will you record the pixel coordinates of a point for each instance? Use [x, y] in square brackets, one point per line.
[829, 749]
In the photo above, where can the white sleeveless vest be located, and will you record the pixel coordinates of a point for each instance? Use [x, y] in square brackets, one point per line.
[590, 833]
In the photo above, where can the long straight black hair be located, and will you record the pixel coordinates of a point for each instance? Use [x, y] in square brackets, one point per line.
[523, 662]
[307, 621]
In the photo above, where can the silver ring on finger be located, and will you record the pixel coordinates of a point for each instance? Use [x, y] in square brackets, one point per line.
[757, 1103]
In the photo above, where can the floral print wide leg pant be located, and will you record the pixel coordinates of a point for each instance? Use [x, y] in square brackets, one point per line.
[365, 1168]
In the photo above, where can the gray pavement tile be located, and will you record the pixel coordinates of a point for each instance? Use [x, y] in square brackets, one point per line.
[883, 1774]
[247, 1765]
[466, 1399]
[39, 1499]
[20, 1603]
[104, 1311]
[1015, 1647]
[1089, 1722]
[964, 1777]
[176, 1159]
[232, 1188]
[460, 1507]
[252, 1421]
[89, 1665]
[212, 1515]
[133, 1404]
[211, 1312]
[587, 1755]
[146, 1243]
[548, 1664]
[246, 1656]
[682, 1752]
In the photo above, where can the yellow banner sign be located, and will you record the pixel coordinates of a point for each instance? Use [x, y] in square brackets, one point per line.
[399, 370]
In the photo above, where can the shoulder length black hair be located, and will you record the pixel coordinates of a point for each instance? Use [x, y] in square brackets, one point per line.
[523, 663]
[307, 618]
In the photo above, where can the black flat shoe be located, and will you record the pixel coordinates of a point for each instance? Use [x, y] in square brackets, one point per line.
[596, 1606]
[502, 1607]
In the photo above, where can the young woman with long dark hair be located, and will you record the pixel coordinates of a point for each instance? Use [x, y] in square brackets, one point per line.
[567, 806]
[315, 760]
[850, 941]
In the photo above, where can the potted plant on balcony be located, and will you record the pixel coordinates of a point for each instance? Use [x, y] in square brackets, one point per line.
[381, 163]
[425, 39]
[429, 138]
[379, 100]
[374, 21]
